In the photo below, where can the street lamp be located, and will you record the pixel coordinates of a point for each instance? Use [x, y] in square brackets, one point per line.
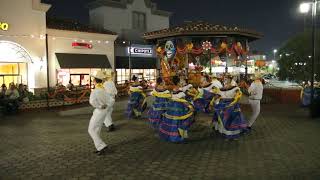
[274, 53]
[305, 8]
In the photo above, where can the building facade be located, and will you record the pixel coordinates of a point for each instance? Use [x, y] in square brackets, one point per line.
[130, 19]
[72, 49]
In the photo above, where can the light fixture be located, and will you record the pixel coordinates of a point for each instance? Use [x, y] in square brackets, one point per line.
[90, 41]
[75, 40]
[32, 36]
[107, 42]
[53, 38]
[123, 42]
[304, 8]
[83, 41]
[99, 42]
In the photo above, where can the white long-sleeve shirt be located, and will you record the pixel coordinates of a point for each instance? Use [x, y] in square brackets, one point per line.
[110, 88]
[185, 88]
[98, 98]
[216, 83]
[256, 90]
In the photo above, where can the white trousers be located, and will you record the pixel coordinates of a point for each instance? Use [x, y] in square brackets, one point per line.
[255, 106]
[108, 119]
[95, 125]
[109, 109]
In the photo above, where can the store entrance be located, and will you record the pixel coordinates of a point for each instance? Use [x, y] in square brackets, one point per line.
[80, 80]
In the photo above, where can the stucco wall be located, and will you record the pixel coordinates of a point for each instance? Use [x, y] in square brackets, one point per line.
[23, 22]
[117, 19]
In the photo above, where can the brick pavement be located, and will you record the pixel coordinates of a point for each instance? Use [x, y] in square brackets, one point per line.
[284, 145]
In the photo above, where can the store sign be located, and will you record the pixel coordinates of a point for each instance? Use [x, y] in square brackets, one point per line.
[81, 45]
[141, 51]
[4, 26]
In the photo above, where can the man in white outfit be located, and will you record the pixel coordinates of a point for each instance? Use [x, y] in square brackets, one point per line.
[111, 92]
[256, 91]
[98, 100]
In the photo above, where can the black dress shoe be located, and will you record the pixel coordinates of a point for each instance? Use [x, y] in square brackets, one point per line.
[111, 128]
[105, 150]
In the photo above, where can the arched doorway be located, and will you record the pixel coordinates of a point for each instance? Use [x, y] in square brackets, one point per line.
[14, 61]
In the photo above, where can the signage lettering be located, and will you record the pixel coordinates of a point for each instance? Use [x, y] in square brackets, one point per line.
[82, 45]
[143, 51]
[4, 26]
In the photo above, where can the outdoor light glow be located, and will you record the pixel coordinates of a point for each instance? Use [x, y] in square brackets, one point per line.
[275, 51]
[273, 61]
[304, 7]
[123, 42]
[287, 54]
[310, 57]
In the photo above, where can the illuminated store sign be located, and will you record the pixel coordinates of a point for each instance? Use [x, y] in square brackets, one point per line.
[141, 51]
[4, 26]
[81, 45]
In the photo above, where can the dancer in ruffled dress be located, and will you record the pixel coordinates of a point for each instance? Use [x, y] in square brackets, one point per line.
[137, 100]
[228, 118]
[159, 106]
[178, 118]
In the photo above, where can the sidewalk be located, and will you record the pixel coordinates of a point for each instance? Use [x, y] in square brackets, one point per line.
[45, 145]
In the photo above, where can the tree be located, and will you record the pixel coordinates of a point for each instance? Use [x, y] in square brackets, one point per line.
[295, 58]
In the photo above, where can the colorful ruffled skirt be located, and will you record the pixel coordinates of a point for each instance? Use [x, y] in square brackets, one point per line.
[176, 122]
[228, 119]
[157, 110]
[202, 104]
[136, 105]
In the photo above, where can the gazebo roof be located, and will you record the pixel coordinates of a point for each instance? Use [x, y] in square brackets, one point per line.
[202, 29]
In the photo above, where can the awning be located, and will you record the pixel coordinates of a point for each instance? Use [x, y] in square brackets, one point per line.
[69, 61]
[122, 62]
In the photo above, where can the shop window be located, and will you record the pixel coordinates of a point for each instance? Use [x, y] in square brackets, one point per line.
[139, 20]
[13, 72]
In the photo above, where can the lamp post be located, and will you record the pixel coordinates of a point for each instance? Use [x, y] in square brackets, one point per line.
[305, 8]
[274, 53]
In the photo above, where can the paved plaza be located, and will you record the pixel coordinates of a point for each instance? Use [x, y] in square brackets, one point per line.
[44, 145]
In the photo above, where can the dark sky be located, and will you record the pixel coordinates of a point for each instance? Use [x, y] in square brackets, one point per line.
[276, 19]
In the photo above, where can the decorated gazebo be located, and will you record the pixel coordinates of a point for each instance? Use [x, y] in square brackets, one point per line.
[195, 47]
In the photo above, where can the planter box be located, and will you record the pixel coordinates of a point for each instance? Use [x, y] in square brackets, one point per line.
[283, 96]
[38, 104]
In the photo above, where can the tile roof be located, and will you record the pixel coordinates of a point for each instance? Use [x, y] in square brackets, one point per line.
[202, 28]
[72, 25]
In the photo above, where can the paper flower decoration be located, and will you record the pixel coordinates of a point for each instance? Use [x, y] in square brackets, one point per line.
[206, 45]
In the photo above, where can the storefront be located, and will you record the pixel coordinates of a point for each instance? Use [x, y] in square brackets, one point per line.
[22, 43]
[74, 55]
[74, 51]
[141, 59]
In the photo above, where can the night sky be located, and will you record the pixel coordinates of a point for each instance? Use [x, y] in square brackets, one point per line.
[276, 19]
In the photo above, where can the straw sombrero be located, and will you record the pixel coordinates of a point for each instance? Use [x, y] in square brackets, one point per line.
[99, 75]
